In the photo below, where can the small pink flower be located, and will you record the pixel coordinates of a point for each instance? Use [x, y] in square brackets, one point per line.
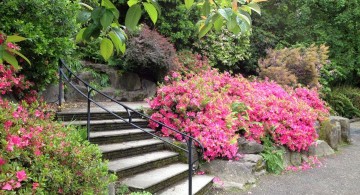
[35, 185]
[7, 186]
[2, 161]
[21, 175]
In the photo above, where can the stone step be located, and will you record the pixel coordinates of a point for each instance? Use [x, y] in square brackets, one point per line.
[201, 184]
[82, 115]
[108, 125]
[131, 148]
[132, 165]
[157, 179]
[117, 136]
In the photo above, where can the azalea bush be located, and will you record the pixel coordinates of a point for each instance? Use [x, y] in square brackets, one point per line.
[216, 108]
[39, 155]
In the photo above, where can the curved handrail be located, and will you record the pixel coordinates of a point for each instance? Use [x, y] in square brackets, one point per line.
[129, 110]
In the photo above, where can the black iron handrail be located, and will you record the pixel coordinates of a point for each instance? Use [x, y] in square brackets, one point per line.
[189, 139]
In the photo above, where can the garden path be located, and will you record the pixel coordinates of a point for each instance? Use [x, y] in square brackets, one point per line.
[340, 175]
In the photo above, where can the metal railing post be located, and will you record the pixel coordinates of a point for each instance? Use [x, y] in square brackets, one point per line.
[190, 164]
[60, 83]
[88, 113]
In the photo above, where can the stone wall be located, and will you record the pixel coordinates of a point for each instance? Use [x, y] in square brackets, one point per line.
[124, 86]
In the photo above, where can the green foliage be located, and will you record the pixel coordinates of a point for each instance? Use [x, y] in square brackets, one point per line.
[291, 66]
[342, 105]
[149, 54]
[224, 49]
[48, 26]
[8, 49]
[334, 23]
[345, 101]
[46, 157]
[273, 156]
[178, 24]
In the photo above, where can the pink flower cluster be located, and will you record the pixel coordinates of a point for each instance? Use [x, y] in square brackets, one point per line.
[27, 137]
[10, 81]
[217, 108]
[312, 162]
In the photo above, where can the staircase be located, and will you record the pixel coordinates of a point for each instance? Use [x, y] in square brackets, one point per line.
[140, 161]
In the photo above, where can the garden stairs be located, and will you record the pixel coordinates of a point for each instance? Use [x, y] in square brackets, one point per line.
[141, 162]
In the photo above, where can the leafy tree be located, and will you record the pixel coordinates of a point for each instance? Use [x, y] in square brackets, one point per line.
[333, 23]
[104, 20]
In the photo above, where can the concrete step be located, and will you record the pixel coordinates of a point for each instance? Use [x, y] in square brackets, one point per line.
[131, 148]
[201, 184]
[136, 164]
[117, 136]
[99, 115]
[108, 125]
[157, 179]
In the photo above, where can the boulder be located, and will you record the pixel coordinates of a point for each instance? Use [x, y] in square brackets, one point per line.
[249, 147]
[345, 127]
[233, 174]
[130, 81]
[333, 137]
[107, 91]
[320, 148]
[51, 94]
[149, 87]
[72, 95]
[295, 158]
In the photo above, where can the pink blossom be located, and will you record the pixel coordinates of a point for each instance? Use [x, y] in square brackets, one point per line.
[35, 185]
[7, 186]
[21, 175]
[2, 161]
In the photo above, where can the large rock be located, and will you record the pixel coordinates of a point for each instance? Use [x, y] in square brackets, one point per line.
[72, 95]
[51, 94]
[233, 174]
[345, 127]
[130, 81]
[249, 147]
[320, 148]
[149, 87]
[334, 135]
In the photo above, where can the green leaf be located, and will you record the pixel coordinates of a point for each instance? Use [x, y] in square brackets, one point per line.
[132, 2]
[189, 3]
[11, 60]
[244, 17]
[83, 16]
[157, 6]
[89, 31]
[226, 13]
[15, 38]
[120, 33]
[21, 55]
[106, 48]
[205, 8]
[107, 19]
[204, 29]
[97, 13]
[255, 7]
[151, 10]
[79, 36]
[132, 17]
[218, 23]
[107, 4]
[116, 41]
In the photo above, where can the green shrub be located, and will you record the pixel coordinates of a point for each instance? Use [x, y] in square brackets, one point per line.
[41, 156]
[273, 156]
[290, 66]
[150, 55]
[342, 105]
[178, 24]
[224, 49]
[345, 101]
[49, 26]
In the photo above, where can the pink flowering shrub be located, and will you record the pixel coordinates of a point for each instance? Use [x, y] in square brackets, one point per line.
[39, 155]
[217, 108]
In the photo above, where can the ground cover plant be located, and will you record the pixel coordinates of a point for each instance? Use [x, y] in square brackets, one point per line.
[217, 108]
